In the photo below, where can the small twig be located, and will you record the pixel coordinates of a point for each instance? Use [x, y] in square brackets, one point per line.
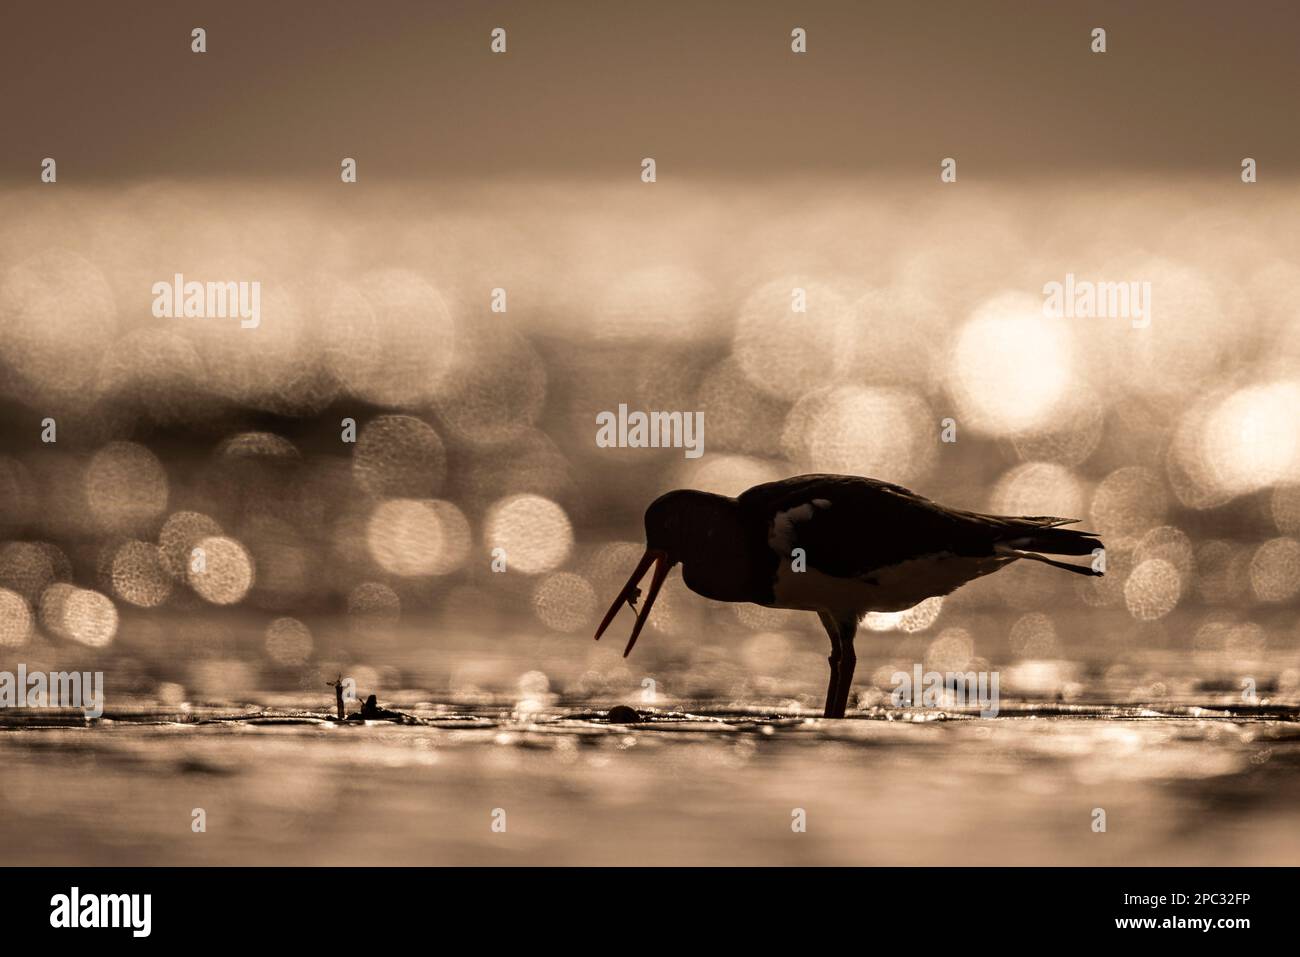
[337, 685]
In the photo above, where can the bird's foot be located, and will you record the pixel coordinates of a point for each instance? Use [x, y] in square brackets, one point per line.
[633, 594]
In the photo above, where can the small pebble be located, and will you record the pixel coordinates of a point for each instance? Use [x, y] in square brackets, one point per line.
[622, 714]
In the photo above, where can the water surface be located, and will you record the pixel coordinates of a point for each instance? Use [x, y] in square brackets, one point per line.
[1178, 785]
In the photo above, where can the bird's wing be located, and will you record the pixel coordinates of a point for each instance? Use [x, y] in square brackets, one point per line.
[849, 526]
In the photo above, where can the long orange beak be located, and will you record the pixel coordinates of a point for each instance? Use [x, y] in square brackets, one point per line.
[630, 592]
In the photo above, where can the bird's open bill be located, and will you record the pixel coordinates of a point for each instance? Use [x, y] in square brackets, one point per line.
[630, 592]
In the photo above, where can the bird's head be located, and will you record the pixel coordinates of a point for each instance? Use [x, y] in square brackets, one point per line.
[672, 523]
[669, 522]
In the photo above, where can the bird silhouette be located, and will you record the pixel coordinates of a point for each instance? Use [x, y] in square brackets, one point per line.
[838, 545]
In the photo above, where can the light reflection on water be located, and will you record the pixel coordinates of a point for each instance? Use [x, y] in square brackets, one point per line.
[1179, 786]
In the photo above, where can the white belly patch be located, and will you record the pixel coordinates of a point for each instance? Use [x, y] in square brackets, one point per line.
[784, 532]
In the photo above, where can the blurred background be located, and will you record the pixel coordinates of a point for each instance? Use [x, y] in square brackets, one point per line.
[1179, 443]
[475, 430]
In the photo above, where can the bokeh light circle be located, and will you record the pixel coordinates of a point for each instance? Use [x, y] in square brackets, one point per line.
[534, 533]
[390, 339]
[139, 576]
[951, 650]
[786, 353]
[179, 535]
[1126, 504]
[495, 391]
[1174, 546]
[564, 602]
[1275, 570]
[1152, 589]
[126, 487]
[413, 537]
[883, 432]
[1038, 488]
[59, 319]
[88, 617]
[399, 456]
[288, 641]
[1285, 508]
[27, 568]
[1034, 636]
[373, 609]
[15, 619]
[1251, 440]
[227, 572]
[1012, 369]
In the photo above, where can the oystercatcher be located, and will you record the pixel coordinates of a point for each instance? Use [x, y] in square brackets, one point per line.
[839, 545]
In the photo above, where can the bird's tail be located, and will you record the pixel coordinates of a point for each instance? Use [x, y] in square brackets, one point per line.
[1025, 537]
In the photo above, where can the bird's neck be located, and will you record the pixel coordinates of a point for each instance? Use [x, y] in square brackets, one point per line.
[718, 561]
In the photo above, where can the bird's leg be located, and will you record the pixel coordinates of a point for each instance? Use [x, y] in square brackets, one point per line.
[832, 692]
[846, 629]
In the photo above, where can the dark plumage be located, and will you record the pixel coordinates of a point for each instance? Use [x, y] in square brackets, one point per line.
[839, 545]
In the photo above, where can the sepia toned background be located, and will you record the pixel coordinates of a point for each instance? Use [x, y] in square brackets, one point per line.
[710, 89]
[1179, 443]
